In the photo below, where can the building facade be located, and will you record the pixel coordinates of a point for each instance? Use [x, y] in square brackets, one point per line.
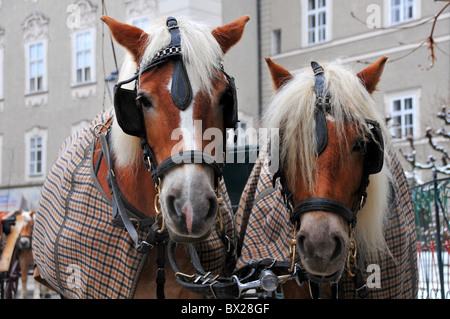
[295, 32]
[54, 59]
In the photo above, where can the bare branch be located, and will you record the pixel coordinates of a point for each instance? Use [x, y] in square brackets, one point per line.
[429, 40]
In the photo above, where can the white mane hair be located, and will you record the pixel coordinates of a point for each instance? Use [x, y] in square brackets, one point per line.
[292, 111]
[202, 56]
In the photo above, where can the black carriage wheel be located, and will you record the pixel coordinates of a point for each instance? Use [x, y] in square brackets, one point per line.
[12, 277]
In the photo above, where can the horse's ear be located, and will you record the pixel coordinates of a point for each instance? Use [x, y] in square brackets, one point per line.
[370, 76]
[279, 74]
[230, 34]
[130, 37]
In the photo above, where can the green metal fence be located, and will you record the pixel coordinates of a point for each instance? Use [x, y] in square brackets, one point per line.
[432, 209]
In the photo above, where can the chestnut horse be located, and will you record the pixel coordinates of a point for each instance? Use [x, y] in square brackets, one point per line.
[172, 89]
[339, 201]
[25, 255]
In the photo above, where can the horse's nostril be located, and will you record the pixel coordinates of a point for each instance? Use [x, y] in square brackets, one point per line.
[212, 207]
[337, 249]
[301, 244]
[171, 206]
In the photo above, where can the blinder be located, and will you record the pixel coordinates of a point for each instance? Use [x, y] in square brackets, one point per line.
[128, 113]
[374, 156]
[229, 103]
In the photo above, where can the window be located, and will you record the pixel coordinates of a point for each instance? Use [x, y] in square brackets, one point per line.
[402, 11]
[36, 67]
[36, 154]
[84, 57]
[1, 157]
[276, 41]
[35, 36]
[402, 112]
[36, 150]
[317, 24]
[1, 75]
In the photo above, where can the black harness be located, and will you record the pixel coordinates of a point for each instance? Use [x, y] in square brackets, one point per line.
[268, 274]
[130, 117]
[129, 108]
[373, 163]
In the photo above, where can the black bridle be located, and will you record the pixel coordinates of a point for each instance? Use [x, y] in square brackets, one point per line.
[267, 274]
[373, 163]
[129, 109]
[129, 115]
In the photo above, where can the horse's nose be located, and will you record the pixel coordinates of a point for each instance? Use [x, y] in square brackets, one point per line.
[193, 210]
[321, 250]
[321, 246]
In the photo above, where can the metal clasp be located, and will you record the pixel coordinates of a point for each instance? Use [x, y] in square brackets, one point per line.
[158, 206]
[352, 253]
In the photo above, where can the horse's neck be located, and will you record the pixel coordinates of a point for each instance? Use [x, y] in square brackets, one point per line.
[138, 188]
[135, 184]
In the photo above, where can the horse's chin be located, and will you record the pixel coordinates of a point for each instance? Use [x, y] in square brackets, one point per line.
[187, 238]
[325, 274]
[328, 277]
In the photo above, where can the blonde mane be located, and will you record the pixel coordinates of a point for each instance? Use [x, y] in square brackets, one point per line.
[292, 111]
[202, 56]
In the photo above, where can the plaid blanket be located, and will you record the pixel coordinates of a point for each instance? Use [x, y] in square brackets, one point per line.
[76, 248]
[263, 230]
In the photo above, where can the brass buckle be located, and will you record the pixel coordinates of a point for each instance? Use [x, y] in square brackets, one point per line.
[292, 247]
[158, 206]
[136, 223]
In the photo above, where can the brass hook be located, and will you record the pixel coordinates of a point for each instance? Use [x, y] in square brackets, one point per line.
[292, 247]
[158, 206]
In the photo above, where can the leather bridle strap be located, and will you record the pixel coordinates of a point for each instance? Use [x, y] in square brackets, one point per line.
[187, 157]
[324, 205]
[202, 282]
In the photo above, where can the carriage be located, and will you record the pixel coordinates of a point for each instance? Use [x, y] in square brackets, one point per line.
[142, 184]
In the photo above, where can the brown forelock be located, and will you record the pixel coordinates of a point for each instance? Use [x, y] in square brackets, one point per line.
[338, 169]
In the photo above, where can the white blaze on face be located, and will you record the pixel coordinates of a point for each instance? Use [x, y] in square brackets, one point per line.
[190, 130]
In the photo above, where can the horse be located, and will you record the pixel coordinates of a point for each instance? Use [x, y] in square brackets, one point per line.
[144, 173]
[25, 256]
[338, 211]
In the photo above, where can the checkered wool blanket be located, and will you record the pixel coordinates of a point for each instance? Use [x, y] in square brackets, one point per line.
[76, 248]
[263, 230]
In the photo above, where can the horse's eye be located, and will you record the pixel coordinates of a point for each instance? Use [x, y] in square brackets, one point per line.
[143, 101]
[360, 145]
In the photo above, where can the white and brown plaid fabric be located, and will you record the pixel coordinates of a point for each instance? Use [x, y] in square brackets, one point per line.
[263, 230]
[76, 248]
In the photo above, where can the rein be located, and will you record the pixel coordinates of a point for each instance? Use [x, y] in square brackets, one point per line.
[156, 235]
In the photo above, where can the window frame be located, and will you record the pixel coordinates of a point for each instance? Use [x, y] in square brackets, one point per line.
[28, 61]
[1, 157]
[30, 174]
[390, 98]
[1, 74]
[276, 41]
[416, 14]
[327, 10]
[75, 52]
